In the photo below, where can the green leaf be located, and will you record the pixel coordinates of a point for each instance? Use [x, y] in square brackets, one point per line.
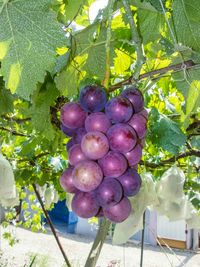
[29, 36]
[184, 80]
[67, 81]
[151, 23]
[165, 133]
[156, 4]
[72, 7]
[186, 21]
[40, 111]
[6, 99]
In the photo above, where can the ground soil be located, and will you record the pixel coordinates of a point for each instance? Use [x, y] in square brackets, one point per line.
[77, 247]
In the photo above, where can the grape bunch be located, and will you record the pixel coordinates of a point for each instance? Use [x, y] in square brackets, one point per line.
[107, 137]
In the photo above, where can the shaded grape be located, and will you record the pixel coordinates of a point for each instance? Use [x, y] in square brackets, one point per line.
[93, 98]
[67, 131]
[119, 109]
[79, 134]
[76, 155]
[70, 143]
[113, 164]
[134, 156]
[97, 122]
[72, 115]
[87, 175]
[109, 192]
[144, 113]
[138, 123]
[135, 97]
[121, 137]
[66, 181]
[131, 182]
[95, 145]
[85, 205]
[119, 212]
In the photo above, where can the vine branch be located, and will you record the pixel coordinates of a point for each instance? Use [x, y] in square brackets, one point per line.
[136, 40]
[108, 41]
[51, 225]
[13, 132]
[177, 67]
[192, 152]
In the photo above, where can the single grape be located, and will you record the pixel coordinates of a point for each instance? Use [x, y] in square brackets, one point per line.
[121, 137]
[70, 144]
[93, 98]
[67, 131]
[109, 192]
[66, 181]
[79, 134]
[72, 115]
[119, 109]
[131, 182]
[113, 164]
[135, 97]
[119, 212]
[134, 156]
[95, 145]
[144, 113]
[138, 123]
[87, 175]
[76, 155]
[97, 122]
[85, 205]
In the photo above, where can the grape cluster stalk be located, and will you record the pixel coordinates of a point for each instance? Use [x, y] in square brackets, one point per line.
[104, 149]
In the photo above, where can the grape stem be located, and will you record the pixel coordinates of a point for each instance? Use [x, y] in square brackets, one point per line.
[108, 41]
[98, 243]
[136, 40]
[51, 226]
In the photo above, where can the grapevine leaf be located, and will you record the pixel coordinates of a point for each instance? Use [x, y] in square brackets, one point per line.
[29, 36]
[6, 99]
[150, 24]
[72, 7]
[186, 22]
[165, 133]
[40, 110]
[67, 81]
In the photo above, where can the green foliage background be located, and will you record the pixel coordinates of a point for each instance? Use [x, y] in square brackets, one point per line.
[45, 59]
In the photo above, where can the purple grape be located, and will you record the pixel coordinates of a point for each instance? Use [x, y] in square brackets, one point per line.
[113, 164]
[78, 136]
[109, 192]
[85, 205]
[66, 181]
[119, 109]
[135, 97]
[95, 145]
[144, 113]
[97, 122]
[72, 115]
[138, 123]
[70, 144]
[76, 155]
[67, 131]
[131, 182]
[93, 98]
[87, 175]
[134, 156]
[119, 212]
[121, 137]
